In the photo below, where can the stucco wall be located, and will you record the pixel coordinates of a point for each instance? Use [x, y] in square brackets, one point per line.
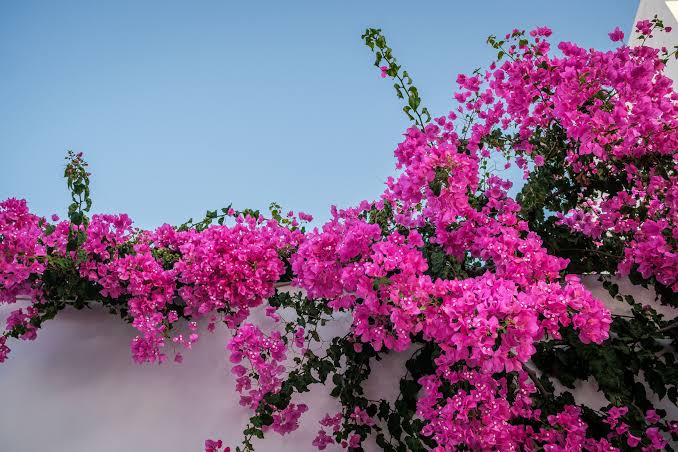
[667, 11]
[76, 389]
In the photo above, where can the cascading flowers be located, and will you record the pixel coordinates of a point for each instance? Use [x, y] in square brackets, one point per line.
[475, 286]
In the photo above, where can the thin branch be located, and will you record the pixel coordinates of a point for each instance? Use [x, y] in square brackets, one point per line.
[533, 376]
[602, 253]
[664, 329]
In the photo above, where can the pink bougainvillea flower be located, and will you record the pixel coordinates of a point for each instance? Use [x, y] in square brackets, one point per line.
[616, 35]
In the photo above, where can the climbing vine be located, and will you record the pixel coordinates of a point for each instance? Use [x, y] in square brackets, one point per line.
[481, 292]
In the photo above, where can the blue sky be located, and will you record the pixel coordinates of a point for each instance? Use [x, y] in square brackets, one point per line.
[186, 106]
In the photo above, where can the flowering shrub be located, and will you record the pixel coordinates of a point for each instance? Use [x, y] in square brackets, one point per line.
[479, 289]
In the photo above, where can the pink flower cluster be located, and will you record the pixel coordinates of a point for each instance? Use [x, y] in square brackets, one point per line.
[322, 439]
[212, 445]
[479, 410]
[382, 277]
[223, 270]
[287, 419]
[260, 368]
[484, 419]
[263, 357]
[357, 417]
[25, 243]
[620, 429]
[127, 268]
[490, 323]
[487, 324]
[620, 114]
[22, 255]
[502, 292]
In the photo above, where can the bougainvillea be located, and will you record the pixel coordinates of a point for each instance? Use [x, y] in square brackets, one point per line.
[479, 289]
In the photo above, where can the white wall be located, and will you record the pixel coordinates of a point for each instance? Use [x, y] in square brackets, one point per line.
[76, 389]
[668, 12]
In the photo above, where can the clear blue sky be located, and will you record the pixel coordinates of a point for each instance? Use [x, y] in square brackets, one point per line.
[186, 106]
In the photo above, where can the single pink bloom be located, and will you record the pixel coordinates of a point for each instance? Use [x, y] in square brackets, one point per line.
[632, 441]
[616, 35]
[539, 160]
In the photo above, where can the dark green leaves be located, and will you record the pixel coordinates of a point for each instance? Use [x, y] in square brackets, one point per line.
[77, 179]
